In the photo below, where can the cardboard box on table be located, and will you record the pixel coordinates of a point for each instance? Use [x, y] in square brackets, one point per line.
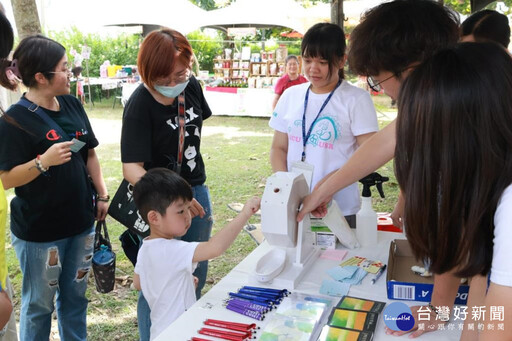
[403, 284]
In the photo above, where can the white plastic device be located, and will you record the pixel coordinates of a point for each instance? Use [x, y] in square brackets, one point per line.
[280, 203]
[270, 265]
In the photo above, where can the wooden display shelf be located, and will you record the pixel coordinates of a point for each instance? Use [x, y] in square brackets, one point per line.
[267, 65]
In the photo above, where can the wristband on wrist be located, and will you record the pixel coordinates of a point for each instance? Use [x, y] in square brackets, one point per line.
[40, 166]
[104, 198]
[432, 308]
[436, 311]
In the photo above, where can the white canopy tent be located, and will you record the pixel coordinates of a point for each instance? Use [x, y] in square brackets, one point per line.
[281, 13]
[114, 16]
[180, 15]
[260, 14]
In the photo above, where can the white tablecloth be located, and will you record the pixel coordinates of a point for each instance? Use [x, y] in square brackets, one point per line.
[211, 304]
[106, 83]
[245, 102]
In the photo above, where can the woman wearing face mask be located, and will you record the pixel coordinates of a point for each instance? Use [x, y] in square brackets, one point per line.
[151, 131]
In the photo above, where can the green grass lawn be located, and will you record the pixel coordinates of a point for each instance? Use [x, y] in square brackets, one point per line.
[236, 154]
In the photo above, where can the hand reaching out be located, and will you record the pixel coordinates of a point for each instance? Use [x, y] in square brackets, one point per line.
[251, 206]
[315, 205]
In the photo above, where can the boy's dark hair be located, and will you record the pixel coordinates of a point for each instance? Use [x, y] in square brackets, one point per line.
[34, 54]
[393, 35]
[453, 156]
[158, 189]
[487, 25]
[325, 41]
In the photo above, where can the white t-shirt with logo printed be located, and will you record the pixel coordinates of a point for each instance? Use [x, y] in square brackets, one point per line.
[501, 268]
[349, 113]
[165, 269]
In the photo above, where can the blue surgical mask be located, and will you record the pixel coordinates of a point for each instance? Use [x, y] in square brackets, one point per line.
[171, 91]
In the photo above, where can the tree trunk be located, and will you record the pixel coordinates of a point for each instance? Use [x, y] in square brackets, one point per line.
[337, 15]
[26, 17]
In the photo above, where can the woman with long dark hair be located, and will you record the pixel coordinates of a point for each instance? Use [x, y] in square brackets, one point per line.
[453, 161]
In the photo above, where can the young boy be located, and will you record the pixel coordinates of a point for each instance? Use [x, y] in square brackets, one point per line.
[165, 264]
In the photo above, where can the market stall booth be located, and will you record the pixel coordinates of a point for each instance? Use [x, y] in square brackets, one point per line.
[245, 79]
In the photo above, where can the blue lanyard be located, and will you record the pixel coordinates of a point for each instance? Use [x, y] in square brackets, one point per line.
[305, 137]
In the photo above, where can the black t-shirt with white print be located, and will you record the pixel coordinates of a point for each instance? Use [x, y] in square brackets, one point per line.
[150, 132]
[59, 204]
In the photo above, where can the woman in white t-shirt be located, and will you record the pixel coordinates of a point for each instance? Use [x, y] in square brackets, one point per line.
[453, 161]
[331, 115]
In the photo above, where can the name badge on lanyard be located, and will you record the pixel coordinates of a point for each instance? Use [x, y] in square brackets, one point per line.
[305, 137]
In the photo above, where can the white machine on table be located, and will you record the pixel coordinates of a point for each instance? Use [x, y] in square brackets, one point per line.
[293, 249]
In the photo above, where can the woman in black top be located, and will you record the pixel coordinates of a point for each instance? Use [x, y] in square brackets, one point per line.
[52, 214]
[151, 131]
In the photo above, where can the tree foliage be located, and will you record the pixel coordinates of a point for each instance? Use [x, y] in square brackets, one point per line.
[121, 50]
[464, 6]
[205, 48]
[207, 5]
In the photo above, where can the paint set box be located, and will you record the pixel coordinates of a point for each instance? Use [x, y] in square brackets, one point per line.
[353, 319]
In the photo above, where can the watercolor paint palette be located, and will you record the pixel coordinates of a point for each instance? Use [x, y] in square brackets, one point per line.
[330, 333]
[353, 319]
[356, 303]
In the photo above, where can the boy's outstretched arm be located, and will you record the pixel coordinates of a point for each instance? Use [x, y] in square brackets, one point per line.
[225, 237]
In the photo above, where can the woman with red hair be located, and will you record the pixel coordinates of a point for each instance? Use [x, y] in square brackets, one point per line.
[168, 105]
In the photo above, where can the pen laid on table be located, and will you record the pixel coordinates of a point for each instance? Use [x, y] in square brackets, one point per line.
[379, 273]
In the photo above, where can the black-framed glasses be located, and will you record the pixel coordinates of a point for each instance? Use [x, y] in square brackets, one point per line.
[376, 86]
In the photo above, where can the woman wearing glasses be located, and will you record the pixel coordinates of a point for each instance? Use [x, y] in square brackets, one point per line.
[324, 121]
[52, 214]
[151, 133]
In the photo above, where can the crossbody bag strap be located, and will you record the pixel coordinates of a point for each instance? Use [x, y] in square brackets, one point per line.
[43, 115]
[181, 124]
[49, 121]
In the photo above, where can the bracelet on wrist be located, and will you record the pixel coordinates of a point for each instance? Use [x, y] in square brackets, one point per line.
[433, 309]
[104, 198]
[39, 165]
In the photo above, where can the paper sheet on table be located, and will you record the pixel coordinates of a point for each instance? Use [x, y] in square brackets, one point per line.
[336, 255]
[339, 273]
[334, 288]
[357, 278]
[347, 274]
